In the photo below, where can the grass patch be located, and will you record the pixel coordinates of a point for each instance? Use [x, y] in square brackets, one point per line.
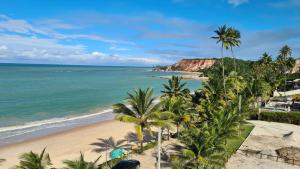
[233, 144]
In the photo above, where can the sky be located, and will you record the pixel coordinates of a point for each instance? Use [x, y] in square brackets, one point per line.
[142, 32]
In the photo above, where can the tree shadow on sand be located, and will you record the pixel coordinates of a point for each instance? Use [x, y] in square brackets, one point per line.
[132, 138]
[109, 144]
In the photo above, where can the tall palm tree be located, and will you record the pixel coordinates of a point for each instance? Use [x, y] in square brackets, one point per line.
[108, 144]
[234, 41]
[175, 87]
[179, 108]
[81, 163]
[140, 111]
[222, 35]
[285, 52]
[34, 161]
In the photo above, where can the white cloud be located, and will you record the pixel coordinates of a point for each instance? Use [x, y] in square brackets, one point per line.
[118, 48]
[47, 28]
[285, 4]
[3, 48]
[19, 26]
[56, 24]
[237, 2]
[50, 50]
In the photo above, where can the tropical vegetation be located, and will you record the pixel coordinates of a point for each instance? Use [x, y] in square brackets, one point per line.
[81, 163]
[141, 110]
[33, 160]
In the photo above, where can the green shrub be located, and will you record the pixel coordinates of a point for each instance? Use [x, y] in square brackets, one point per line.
[253, 115]
[283, 117]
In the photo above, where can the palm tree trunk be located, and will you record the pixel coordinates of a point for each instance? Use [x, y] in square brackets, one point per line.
[285, 78]
[177, 128]
[234, 60]
[223, 71]
[142, 141]
[142, 145]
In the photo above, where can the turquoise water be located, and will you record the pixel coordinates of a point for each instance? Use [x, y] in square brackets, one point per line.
[31, 93]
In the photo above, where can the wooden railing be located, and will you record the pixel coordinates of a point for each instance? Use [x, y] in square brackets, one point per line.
[276, 158]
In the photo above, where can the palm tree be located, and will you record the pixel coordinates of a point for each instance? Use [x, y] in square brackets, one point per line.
[227, 121]
[178, 163]
[266, 59]
[81, 163]
[222, 37]
[140, 111]
[175, 87]
[179, 108]
[285, 52]
[108, 144]
[234, 41]
[235, 85]
[164, 120]
[1, 161]
[34, 161]
[201, 147]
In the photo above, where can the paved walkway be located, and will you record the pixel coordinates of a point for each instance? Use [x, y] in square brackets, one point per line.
[266, 137]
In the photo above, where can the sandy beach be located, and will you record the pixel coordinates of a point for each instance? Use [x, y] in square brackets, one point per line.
[67, 144]
[194, 77]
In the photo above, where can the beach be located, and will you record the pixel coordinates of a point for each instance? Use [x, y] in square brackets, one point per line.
[68, 144]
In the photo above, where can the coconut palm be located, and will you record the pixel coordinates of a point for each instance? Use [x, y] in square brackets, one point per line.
[235, 85]
[178, 163]
[234, 41]
[34, 161]
[285, 52]
[81, 163]
[222, 36]
[179, 108]
[265, 60]
[210, 102]
[108, 144]
[164, 120]
[201, 147]
[175, 88]
[227, 121]
[140, 111]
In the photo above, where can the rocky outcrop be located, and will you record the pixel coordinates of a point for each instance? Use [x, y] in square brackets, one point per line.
[188, 65]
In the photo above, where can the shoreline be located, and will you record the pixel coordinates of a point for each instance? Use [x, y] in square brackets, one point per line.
[69, 143]
[58, 133]
[190, 77]
[186, 75]
[37, 129]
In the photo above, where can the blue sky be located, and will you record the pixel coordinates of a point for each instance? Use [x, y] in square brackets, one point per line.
[141, 32]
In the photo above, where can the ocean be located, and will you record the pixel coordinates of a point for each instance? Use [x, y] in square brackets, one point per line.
[37, 100]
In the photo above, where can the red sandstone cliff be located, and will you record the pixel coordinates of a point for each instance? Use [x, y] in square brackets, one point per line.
[189, 65]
